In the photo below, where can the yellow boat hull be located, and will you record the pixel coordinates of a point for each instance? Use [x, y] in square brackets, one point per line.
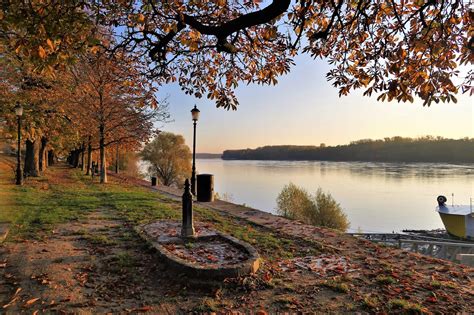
[454, 224]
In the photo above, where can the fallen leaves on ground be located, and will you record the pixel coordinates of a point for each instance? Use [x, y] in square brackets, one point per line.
[320, 265]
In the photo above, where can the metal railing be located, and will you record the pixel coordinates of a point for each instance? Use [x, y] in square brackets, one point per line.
[435, 247]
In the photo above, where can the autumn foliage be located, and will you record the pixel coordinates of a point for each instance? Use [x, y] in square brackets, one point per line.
[395, 49]
[87, 72]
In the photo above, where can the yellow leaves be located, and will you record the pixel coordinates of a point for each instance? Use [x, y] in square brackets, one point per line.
[140, 18]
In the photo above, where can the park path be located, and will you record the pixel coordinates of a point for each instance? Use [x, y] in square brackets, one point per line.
[95, 264]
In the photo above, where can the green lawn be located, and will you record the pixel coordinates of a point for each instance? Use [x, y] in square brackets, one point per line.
[64, 195]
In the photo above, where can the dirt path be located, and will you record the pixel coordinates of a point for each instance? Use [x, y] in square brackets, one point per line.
[93, 266]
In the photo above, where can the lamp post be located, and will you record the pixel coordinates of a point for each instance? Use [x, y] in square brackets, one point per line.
[195, 116]
[19, 175]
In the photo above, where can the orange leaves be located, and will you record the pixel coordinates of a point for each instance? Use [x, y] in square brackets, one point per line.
[269, 33]
[30, 302]
[41, 52]
[368, 44]
[94, 49]
[50, 44]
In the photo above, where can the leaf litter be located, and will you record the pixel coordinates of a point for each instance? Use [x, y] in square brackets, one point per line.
[322, 265]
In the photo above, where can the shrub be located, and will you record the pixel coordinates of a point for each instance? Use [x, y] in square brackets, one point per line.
[319, 209]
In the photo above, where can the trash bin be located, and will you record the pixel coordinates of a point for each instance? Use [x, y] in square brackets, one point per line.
[153, 181]
[205, 187]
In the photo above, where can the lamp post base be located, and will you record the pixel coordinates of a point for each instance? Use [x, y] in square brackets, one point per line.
[19, 177]
[188, 231]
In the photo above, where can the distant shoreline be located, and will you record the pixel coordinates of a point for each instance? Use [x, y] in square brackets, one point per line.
[396, 150]
[357, 161]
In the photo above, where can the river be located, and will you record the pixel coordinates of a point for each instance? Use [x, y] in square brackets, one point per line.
[377, 197]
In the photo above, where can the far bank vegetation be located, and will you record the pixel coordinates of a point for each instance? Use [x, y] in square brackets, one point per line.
[394, 149]
[319, 209]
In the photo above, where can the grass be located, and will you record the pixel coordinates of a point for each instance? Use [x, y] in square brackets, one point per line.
[336, 285]
[124, 260]
[40, 206]
[207, 305]
[99, 240]
[385, 279]
[8, 191]
[39, 210]
[371, 302]
[406, 306]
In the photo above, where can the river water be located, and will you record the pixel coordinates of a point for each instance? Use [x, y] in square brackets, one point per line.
[377, 197]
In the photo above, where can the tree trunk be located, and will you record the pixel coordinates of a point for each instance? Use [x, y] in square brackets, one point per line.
[83, 149]
[41, 155]
[76, 155]
[50, 157]
[103, 170]
[89, 156]
[117, 160]
[31, 167]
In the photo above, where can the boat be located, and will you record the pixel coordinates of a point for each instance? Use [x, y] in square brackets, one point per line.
[457, 219]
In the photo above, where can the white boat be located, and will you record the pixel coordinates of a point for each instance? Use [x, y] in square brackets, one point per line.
[458, 220]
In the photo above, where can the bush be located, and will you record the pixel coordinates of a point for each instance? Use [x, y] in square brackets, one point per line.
[319, 209]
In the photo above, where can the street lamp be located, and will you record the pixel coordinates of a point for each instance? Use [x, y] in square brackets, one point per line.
[19, 175]
[195, 115]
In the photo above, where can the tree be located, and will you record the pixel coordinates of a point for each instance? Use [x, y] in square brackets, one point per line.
[111, 94]
[396, 49]
[319, 209]
[46, 34]
[42, 119]
[170, 158]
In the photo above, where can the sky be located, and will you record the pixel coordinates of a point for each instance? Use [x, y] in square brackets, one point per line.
[304, 109]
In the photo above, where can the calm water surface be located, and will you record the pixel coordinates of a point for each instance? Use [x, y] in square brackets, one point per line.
[377, 197]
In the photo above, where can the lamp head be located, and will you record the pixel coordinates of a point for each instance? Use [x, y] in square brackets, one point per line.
[195, 113]
[18, 109]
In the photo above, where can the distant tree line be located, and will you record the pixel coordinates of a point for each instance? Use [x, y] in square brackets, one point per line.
[394, 149]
